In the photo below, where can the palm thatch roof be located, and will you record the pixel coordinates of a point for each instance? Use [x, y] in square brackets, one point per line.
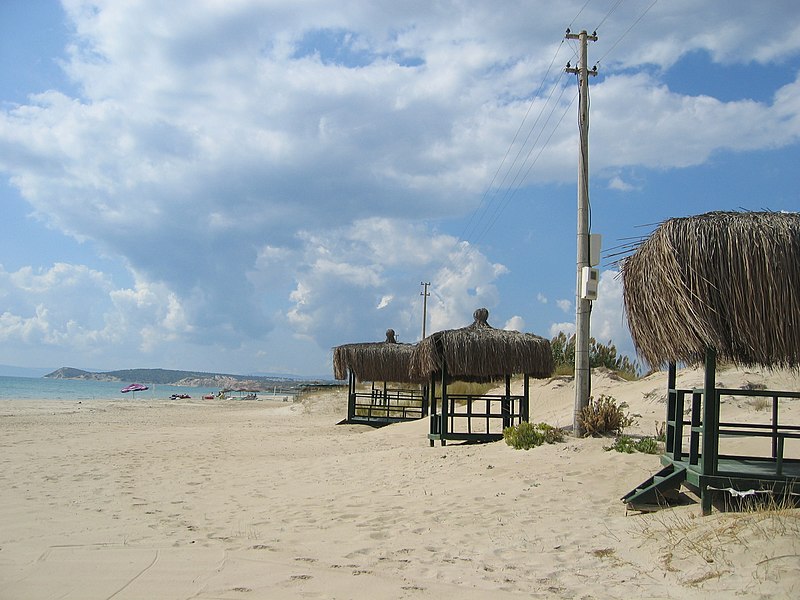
[374, 361]
[725, 280]
[480, 352]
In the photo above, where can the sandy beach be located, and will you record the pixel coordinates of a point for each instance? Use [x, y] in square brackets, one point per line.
[237, 499]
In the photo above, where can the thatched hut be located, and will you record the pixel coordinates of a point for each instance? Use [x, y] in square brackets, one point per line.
[718, 286]
[726, 280]
[479, 353]
[386, 362]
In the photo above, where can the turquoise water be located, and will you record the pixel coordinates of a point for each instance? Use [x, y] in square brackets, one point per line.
[41, 388]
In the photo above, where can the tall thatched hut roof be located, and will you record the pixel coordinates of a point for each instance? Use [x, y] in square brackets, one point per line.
[374, 361]
[480, 352]
[725, 280]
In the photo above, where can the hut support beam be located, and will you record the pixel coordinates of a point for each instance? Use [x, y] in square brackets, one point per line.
[526, 391]
[445, 407]
[434, 414]
[351, 396]
[710, 427]
[506, 409]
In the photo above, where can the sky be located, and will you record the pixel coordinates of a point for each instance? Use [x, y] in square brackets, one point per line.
[238, 186]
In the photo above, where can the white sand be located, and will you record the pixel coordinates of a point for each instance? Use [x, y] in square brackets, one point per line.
[231, 499]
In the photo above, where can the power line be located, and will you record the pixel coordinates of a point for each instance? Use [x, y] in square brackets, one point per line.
[482, 208]
[627, 31]
[571, 23]
[514, 188]
[484, 212]
[608, 14]
[499, 206]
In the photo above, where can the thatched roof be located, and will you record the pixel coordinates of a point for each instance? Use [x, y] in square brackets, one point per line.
[480, 352]
[376, 361]
[726, 280]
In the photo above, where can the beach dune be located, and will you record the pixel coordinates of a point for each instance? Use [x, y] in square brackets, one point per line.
[257, 499]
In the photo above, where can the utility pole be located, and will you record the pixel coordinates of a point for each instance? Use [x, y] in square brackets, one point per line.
[424, 293]
[583, 307]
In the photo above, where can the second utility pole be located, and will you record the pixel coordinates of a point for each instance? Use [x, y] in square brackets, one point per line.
[425, 293]
[583, 306]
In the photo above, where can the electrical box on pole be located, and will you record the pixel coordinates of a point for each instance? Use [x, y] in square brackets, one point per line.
[595, 247]
[589, 279]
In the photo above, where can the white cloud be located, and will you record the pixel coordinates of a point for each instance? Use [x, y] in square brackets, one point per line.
[515, 323]
[608, 318]
[617, 183]
[264, 166]
[74, 307]
[567, 327]
[361, 275]
[688, 128]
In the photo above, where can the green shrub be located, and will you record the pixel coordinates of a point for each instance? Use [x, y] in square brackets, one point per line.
[603, 416]
[647, 445]
[527, 435]
[622, 443]
[600, 355]
[628, 445]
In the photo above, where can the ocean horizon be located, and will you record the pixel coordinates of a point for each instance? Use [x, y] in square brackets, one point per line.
[43, 388]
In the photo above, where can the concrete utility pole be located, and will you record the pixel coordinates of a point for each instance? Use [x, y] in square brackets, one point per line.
[424, 293]
[583, 306]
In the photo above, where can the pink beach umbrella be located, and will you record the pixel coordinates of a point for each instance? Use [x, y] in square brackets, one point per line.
[134, 387]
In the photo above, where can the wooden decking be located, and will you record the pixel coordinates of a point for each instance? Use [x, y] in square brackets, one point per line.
[756, 468]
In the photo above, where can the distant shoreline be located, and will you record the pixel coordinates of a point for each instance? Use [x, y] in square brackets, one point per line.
[185, 378]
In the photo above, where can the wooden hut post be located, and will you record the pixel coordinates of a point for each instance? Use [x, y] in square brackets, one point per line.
[526, 393]
[434, 414]
[672, 417]
[351, 396]
[506, 405]
[445, 407]
[710, 426]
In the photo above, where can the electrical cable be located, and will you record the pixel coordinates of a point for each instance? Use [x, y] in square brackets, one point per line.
[608, 14]
[514, 187]
[571, 23]
[483, 205]
[627, 31]
[481, 213]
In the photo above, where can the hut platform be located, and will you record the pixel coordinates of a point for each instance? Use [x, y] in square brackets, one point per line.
[711, 455]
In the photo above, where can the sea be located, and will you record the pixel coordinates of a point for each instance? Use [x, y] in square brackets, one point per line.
[43, 388]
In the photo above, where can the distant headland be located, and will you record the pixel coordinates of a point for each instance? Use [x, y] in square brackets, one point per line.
[182, 378]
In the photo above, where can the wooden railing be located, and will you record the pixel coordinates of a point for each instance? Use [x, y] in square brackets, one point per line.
[468, 417]
[707, 457]
[377, 404]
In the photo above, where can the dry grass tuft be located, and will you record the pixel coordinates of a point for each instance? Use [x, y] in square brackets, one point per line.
[708, 547]
[760, 403]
